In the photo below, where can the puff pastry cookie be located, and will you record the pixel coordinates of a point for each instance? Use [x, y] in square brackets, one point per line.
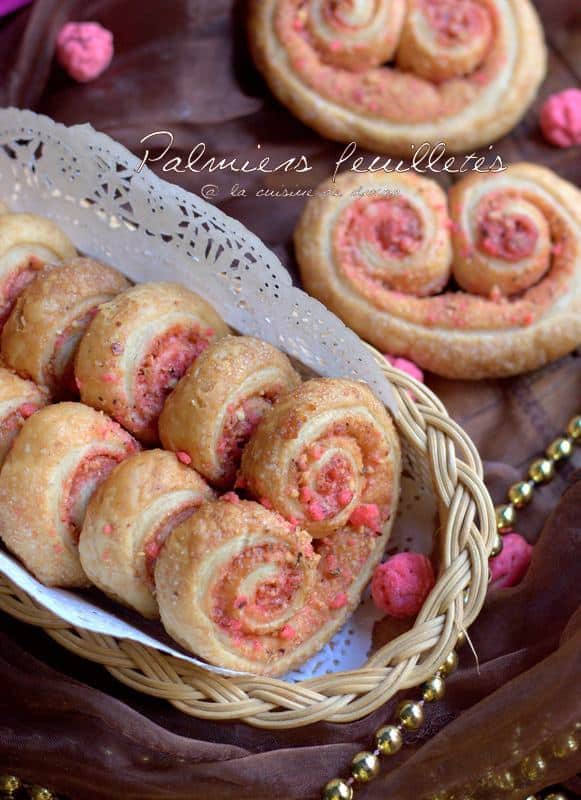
[511, 242]
[326, 456]
[245, 589]
[129, 518]
[461, 71]
[42, 334]
[27, 243]
[136, 349]
[57, 461]
[19, 399]
[217, 405]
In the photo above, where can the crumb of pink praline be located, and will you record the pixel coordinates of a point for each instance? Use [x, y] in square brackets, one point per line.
[184, 457]
[560, 118]
[401, 584]
[84, 50]
[406, 366]
[509, 567]
[230, 497]
[366, 515]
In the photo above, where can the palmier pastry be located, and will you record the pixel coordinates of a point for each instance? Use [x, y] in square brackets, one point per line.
[57, 461]
[41, 336]
[136, 349]
[245, 589]
[464, 71]
[128, 519]
[27, 244]
[326, 456]
[516, 256]
[215, 408]
[19, 399]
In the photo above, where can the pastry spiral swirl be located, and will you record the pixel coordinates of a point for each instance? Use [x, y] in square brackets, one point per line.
[325, 457]
[457, 62]
[136, 349]
[42, 334]
[246, 590]
[214, 409]
[19, 399]
[128, 519]
[516, 256]
[27, 243]
[58, 459]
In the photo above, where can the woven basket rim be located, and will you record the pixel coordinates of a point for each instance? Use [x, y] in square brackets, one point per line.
[467, 531]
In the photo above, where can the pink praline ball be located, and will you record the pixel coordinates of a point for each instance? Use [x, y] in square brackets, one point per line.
[401, 584]
[84, 50]
[561, 118]
[406, 366]
[509, 567]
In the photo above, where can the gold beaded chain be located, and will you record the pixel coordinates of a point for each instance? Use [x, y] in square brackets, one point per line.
[389, 739]
[13, 788]
[410, 714]
[541, 471]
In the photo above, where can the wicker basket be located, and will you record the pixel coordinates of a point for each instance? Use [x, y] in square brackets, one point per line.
[433, 444]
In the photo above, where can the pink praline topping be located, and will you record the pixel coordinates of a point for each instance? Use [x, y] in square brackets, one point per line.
[288, 632]
[366, 515]
[509, 567]
[339, 600]
[84, 50]
[560, 118]
[400, 585]
[183, 457]
[230, 497]
[406, 366]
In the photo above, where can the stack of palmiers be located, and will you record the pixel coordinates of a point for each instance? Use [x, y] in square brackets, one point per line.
[254, 531]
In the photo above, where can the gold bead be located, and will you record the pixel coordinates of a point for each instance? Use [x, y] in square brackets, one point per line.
[542, 470]
[337, 789]
[40, 793]
[461, 640]
[449, 665]
[566, 746]
[388, 740]
[497, 546]
[556, 796]
[532, 767]
[505, 517]
[364, 767]
[531, 797]
[574, 429]
[504, 780]
[433, 689]
[9, 784]
[560, 449]
[410, 714]
[520, 494]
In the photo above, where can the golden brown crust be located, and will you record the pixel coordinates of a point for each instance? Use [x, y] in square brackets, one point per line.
[213, 410]
[387, 109]
[242, 588]
[322, 454]
[19, 399]
[59, 457]
[208, 582]
[41, 335]
[128, 519]
[27, 243]
[457, 334]
[138, 346]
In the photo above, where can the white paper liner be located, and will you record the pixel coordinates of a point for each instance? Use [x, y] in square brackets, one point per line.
[153, 230]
